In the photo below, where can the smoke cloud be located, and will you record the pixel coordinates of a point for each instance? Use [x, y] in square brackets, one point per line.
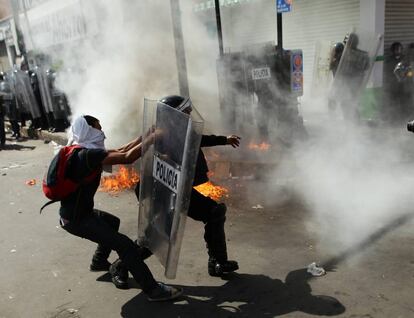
[131, 57]
[352, 178]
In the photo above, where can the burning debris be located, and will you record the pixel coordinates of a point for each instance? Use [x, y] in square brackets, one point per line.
[126, 178]
[263, 146]
[215, 192]
[31, 182]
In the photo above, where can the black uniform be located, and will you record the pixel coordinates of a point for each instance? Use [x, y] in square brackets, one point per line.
[205, 209]
[2, 132]
[397, 107]
[208, 211]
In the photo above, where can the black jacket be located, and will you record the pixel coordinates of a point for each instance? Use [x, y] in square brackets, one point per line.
[201, 170]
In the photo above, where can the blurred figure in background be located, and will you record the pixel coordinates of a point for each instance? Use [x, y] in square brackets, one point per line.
[395, 89]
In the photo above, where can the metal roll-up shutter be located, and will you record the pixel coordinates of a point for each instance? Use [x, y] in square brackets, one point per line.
[316, 21]
[399, 22]
[307, 23]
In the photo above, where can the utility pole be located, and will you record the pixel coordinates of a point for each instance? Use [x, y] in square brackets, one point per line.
[279, 33]
[219, 30]
[179, 48]
[14, 5]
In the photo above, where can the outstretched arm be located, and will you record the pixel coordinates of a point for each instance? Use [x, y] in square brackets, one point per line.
[133, 143]
[132, 151]
[130, 145]
[213, 140]
[116, 157]
[233, 140]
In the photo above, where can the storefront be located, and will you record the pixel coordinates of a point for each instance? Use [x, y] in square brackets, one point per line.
[8, 44]
[399, 22]
[312, 26]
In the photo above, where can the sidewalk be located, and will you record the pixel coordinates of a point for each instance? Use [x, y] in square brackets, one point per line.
[58, 137]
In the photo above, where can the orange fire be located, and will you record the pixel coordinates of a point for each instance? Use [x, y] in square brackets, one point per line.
[213, 191]
[263, 146]
[126, 178]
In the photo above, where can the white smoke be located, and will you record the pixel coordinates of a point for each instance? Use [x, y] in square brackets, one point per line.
[352, 179]
[131, 57]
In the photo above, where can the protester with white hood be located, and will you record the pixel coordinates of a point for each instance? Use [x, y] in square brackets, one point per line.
[79, 217]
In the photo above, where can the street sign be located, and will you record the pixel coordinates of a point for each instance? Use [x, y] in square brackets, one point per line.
[296, 72]
[261, 73]
[284, 6]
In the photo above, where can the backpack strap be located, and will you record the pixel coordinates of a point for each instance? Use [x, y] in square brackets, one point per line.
[46, 204]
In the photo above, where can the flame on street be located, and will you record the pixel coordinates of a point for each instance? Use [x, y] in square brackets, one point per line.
[263, 146]
[125, 178]
[215, 192]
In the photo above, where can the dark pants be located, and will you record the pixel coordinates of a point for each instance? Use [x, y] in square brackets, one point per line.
[102, 228]
[15, 128]
[2, 132]
[213, 216]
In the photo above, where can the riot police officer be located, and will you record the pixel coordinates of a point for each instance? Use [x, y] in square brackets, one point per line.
[203, 208]
[397, 100]
[336, 55]
[349, 77]
[2, 111]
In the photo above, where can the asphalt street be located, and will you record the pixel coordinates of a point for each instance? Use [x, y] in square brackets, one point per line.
[44, 270]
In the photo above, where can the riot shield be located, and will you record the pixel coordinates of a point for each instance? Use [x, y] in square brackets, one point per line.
[322, 75]
[355, 66]
[8, 95]
[24, 94]
[44, 88]
[171, 141]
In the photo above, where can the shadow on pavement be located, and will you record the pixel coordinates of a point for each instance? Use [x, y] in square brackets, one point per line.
[16, 145]
[330, 264]
[243, 295]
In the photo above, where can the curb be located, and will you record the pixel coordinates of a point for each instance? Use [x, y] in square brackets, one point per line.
[58, 137]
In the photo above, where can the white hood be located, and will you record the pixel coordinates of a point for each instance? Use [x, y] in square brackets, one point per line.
[86, 136]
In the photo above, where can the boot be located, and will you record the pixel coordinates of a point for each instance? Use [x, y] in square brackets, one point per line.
[98, 266]
[164, 292]
[219, 268]
[119, 274]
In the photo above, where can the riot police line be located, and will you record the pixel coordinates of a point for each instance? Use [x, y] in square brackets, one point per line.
[32, 99]
[351, 63]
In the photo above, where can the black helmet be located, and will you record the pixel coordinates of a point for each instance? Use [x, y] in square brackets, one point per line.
[396, 49]
[353, 40]
[180, 103]
[338, 48]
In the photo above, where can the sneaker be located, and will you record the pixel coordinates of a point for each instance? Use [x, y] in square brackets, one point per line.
[102, 266]
[119, 275]
[164, 292]
[216, 268]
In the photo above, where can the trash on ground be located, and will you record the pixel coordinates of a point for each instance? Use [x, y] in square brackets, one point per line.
[257, 206]
[31, 182]
[13, 251]
[315, 270]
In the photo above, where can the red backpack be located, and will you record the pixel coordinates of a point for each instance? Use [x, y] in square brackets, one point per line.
[56, 186]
